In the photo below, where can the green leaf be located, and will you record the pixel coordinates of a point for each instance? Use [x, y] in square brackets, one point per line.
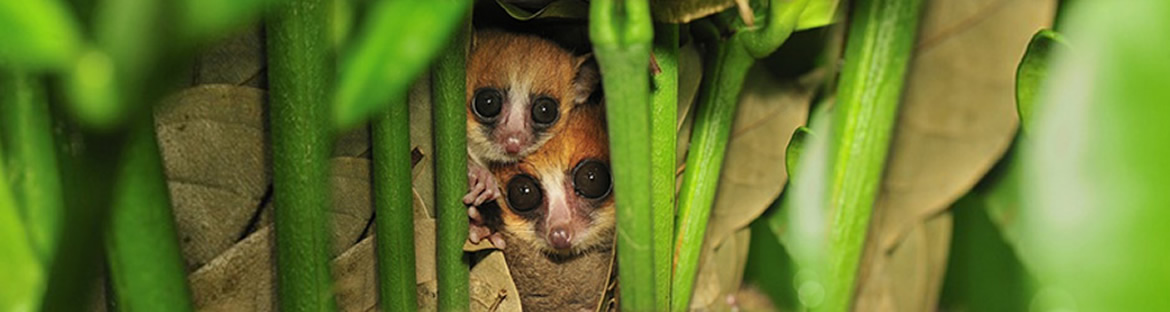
[570, 9]
[26, 130]
[205, 19]
[22, 274]
[37, 34]
[819, 13]
[795, 148]
[1095, 171]
[398, 43]
[1033, 71]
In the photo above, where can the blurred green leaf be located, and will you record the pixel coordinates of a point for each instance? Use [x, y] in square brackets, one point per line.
[22, 274]
[208, 19]
[571, 9]
[983, 271]
[94, 95]
[1095, 170]
[769, 264]
[1033, 71]
[818, 13]
[37, 33]
[795, 148]
[32, 160]
[398, 44]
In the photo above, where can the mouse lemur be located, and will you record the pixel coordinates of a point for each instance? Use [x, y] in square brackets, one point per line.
[519, 89]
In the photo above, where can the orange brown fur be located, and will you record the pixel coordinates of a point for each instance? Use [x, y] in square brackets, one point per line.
[584, 137]
[505, 60]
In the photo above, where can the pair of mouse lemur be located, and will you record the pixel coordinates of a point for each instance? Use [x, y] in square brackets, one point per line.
[534, 128]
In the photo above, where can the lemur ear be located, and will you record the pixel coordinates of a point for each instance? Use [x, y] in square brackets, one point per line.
[587, 78]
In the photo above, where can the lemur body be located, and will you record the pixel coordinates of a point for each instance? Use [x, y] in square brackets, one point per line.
[519, 88]
[558, 217]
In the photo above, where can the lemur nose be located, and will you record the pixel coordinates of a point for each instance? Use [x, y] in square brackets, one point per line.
[513, 145]
[560, 238]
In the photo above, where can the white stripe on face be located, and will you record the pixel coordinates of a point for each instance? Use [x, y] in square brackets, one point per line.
[553, 182]
[517, 100]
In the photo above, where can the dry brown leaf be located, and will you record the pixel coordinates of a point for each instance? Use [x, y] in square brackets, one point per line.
[355, 277]
[690, 75]
[682, 11]
[754, 170]
[721, 272]
[957, 118]
[420, 139]
[242, 278]
[237, 59]
[353, 143]
[212, 142]
[353, 205]
[913, 271]
[491, 285]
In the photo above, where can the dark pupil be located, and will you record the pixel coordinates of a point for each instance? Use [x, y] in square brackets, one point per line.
[487, 102]
[523, 193]
[544, 111]
[591, 179]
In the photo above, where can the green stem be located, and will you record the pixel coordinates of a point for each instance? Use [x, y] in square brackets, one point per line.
[300, 71]
[448, 85]
[394, 217]
[881, 42]
[716, 111]
[622, 34]
[146, 265]
[718, 100]
[31, 159]
[662, 144]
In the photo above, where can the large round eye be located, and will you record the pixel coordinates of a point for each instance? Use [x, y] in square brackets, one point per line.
[523, 193]
[591, 179]
[544, 111]
[487, 103]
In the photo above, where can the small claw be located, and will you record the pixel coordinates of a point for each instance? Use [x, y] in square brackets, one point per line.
[497, 240]
[469, 198]
[474, 235]
[485, 196]
[475, 216]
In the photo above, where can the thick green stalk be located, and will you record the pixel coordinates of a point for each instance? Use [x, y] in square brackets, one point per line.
[718, 100]
[31, 159]
[881, 42]
[394, 217]
[300, 71]
[146, 265]
[448, 85]
[662, 145]
[622, 34]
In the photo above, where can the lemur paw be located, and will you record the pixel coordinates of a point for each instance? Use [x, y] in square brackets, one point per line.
[479, 230]
[483, 189]
[483, 186]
